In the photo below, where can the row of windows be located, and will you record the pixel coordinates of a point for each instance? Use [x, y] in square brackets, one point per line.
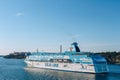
[61, 60]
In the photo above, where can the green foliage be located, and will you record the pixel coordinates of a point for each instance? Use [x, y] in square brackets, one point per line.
[111, 57]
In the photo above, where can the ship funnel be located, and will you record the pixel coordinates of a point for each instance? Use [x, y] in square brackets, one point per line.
[75, 47]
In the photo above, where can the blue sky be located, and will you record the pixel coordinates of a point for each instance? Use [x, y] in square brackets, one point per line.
[26, 25]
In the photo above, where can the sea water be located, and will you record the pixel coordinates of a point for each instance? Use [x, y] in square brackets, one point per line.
[16, 69]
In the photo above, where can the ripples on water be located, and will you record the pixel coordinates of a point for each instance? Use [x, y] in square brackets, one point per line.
[15, 69]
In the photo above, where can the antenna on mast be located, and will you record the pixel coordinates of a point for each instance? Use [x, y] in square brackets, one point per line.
[60, 48]
[37, 50]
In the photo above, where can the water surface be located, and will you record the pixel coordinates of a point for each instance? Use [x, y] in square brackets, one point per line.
[15, 69]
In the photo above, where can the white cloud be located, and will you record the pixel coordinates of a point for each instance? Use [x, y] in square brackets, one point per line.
[20, 14]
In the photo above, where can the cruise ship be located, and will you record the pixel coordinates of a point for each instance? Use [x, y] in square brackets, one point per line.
[71, 60]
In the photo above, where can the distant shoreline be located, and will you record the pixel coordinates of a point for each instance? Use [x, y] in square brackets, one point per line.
[1, 55]
[17, 55]
[111, 57]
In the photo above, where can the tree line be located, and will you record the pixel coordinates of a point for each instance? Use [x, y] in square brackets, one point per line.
[111, 57]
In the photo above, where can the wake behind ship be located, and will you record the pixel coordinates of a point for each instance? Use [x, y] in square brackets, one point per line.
[72, 60]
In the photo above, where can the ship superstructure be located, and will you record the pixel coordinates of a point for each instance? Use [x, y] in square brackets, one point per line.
[72, 60]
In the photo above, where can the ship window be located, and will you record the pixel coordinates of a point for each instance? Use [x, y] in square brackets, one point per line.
[60, 60]
[53, 60]
[65, 60]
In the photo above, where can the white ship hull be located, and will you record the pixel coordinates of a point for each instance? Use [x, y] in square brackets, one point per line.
[77, 67]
